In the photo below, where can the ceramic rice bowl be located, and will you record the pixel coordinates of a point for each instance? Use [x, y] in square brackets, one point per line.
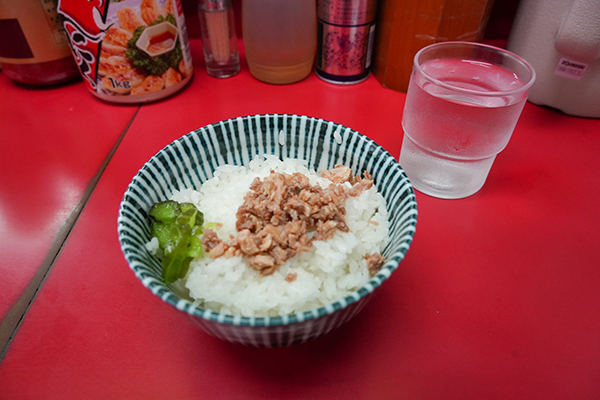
[191, 160]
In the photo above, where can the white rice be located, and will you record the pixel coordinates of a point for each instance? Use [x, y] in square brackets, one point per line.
[330, 271]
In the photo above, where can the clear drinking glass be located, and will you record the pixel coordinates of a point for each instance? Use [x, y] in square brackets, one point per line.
[463, 102]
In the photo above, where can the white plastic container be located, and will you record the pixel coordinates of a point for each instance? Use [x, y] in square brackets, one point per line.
[561, 39]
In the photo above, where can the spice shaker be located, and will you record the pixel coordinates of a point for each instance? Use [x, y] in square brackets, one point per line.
[346, 36]
[33, 45]
[219, 39]
[280, 39]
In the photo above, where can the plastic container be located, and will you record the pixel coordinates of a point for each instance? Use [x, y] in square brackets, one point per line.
[33, 45]
[280, 39]
[561, 39]
[131, 51]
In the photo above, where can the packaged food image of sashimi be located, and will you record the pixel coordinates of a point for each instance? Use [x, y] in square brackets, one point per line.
[129, 51]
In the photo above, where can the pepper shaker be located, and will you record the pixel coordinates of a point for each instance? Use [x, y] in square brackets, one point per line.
[345, 40]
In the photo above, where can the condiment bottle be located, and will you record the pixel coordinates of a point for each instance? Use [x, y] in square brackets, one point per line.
[346, 40]
[280, 39]
[219, 40]
[33, 45]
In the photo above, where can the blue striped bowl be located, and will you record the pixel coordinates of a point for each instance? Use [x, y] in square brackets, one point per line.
[192, 159]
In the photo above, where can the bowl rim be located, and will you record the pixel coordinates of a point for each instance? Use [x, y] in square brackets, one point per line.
[165, 293]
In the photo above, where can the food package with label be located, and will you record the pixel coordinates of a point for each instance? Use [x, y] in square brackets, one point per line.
[129, 51]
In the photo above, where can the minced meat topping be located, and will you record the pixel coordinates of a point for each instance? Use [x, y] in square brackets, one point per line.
[283, 214]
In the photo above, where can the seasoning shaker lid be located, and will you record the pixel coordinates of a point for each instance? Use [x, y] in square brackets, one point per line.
[214, 5]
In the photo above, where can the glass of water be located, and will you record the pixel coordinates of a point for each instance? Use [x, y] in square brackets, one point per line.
[462, 105]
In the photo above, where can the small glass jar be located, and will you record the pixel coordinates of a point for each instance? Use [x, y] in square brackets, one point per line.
[219, 39]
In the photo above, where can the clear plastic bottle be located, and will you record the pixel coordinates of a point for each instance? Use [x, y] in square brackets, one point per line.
[280, 39]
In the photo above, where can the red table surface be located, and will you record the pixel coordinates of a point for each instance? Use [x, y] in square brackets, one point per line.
[497, 297]
[54, 141]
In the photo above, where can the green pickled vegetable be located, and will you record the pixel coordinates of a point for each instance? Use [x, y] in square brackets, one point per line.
[178, 228]
[195, 246]
[162, 232]
[165, 211]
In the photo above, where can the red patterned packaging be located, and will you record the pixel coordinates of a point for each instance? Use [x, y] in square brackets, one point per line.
[129, 51]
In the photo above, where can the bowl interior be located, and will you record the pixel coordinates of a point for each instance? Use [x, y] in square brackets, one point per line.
[191, 160]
